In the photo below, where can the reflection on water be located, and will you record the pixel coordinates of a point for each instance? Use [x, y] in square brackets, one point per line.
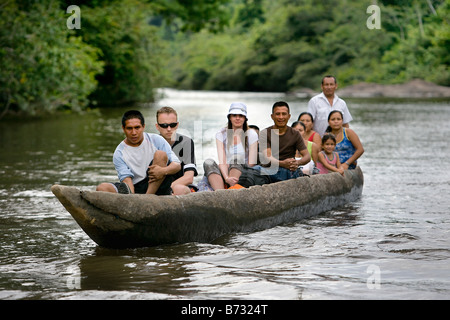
[393, 243]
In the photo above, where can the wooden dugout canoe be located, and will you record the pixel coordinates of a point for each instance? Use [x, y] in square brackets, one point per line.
[130, 221]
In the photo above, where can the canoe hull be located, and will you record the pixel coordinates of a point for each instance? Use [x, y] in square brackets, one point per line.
[130, 221]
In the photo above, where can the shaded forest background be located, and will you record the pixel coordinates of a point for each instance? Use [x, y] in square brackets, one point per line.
[125, 49]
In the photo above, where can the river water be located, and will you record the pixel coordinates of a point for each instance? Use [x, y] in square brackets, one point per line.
[393, 243]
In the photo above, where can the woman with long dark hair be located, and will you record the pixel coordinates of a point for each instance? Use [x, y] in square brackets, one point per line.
[237, 146]
[348, 145]
[310, 135]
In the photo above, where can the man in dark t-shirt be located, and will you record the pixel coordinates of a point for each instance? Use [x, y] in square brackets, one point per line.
[182, 146]
[278, 145]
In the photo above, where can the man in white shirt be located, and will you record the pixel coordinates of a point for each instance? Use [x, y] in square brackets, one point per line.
[136, 158]
[322, 104]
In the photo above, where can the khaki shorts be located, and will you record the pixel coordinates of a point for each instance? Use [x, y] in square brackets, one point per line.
[210, 166]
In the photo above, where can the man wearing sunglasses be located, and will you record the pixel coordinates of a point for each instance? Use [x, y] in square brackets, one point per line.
[183, 147]
[135, 157]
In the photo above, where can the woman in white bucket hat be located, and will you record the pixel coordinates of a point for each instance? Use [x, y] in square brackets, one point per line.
[236, 147]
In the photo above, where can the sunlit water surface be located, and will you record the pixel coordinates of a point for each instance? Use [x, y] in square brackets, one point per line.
[393, 243]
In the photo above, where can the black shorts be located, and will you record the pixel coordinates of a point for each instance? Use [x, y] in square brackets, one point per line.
[142, 186]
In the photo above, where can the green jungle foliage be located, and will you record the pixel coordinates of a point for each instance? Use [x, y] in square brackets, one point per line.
[131, 51]
[116, 56]
[125, 49]
[287, 44]
[42, 66]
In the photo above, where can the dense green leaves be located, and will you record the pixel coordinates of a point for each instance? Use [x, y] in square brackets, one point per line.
[193, 15]
[131, 51]
[293, 43]
[116, 57]
[125, 49]
[424, 51]
[42, 66]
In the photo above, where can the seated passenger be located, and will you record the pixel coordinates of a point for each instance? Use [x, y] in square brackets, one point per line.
[183, 146]
[328, 159]
[279, 144]
[312, 147]
[310, 135]
[236, 147]
[348, 145]
[136, 157]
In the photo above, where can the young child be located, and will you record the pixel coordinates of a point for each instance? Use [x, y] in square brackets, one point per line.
[328, 159]
[313, 150]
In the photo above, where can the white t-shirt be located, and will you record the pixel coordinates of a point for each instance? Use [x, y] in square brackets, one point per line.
[237, 151]
[320, 108]
[134, 161]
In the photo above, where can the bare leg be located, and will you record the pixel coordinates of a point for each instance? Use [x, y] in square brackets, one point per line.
[106, 187]
[180, 189]
[235, 173]
[160, 159]
[216, 181]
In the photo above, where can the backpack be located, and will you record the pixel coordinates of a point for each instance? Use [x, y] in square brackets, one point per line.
[252, 177]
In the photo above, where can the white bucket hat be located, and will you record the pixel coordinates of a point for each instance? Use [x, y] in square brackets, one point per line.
[238, 108]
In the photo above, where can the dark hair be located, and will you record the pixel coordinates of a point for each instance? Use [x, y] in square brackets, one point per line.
[334, 111]
[280, 104]
[329, 116]
[329, 76]
[244, 126]
[328, 136]
[252, 126]
[230, 134]
[132, 114]
[303, 113]
[298, 123]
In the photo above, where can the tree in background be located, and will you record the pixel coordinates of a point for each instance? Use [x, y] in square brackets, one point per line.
[293, 43]
[125, 49]
[193, 15]
[130, 50]
[423, 43]
[115, 58]
[42, 65]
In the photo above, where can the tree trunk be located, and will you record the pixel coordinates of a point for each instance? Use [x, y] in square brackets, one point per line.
[431, 7]
[419, 17]
[8, 103]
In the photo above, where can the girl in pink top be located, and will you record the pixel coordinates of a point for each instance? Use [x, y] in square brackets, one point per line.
[328, 160]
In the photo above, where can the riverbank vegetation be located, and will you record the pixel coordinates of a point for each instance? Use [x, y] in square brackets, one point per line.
[124, 49]
[291, 44]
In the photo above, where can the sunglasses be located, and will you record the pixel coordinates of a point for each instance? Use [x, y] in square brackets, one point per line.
[166, 125]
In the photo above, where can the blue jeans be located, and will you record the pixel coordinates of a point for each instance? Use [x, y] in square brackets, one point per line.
[285, 174]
